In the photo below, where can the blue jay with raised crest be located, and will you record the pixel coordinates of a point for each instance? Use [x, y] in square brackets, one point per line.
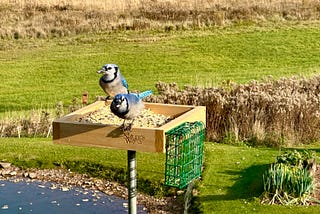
[128, 106]
[112, 82]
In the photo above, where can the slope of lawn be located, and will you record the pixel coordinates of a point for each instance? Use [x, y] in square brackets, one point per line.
[231, 182]
[39, 73]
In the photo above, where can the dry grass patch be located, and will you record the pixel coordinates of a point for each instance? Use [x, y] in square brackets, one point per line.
[271, 112]
[283, 112]
[43, 18]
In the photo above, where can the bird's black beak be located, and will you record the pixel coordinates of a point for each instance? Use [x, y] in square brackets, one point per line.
[118, 102]
[101, 71]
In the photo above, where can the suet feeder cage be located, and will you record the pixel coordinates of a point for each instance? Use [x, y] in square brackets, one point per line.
[184, 153]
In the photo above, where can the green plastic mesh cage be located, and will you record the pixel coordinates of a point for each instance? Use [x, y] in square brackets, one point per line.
[184, 152]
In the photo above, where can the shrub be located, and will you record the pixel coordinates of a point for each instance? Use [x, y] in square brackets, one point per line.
[271, 112]
[37, 124]
[295, 158]
[289, 181]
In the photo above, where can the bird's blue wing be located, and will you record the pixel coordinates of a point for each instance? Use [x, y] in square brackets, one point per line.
[144, 94]
[132, 97]
[124, 82]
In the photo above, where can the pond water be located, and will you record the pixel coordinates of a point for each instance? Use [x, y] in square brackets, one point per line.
[40, 197]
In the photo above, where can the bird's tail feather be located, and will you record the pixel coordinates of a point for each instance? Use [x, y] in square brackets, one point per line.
[145, 94]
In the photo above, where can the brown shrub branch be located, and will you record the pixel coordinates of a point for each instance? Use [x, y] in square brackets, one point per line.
[271, 112]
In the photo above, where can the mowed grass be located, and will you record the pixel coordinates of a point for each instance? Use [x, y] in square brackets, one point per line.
[39, 73]
[231, 182]
[109, 164]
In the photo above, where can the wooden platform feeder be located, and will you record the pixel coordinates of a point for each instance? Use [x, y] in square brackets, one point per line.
[67, 130]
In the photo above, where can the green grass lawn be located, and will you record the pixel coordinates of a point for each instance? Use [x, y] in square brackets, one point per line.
[231, 182]
[39, 73]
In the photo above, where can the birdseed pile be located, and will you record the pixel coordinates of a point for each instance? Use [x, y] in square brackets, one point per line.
[147, 118]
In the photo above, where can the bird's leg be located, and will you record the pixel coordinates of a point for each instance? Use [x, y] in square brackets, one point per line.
[122, 127]
[126, 131]
[106, 100]
[128, 127]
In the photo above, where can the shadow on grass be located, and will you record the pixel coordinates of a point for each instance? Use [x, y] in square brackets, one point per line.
[248, 185]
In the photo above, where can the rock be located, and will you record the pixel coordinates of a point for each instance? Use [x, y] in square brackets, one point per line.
[64, 188]
[5, 207]
[32, 175]
[5, 165]
[5, 172]
[13, 173]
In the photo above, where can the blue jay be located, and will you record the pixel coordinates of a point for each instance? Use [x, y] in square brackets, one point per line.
[128, 106]
[112, 82]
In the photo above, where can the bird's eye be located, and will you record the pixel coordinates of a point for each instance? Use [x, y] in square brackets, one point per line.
[109, 68]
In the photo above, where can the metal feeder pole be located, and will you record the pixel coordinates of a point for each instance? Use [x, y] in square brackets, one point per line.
[132, 185]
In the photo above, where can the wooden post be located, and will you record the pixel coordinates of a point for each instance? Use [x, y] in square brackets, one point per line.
[132, 184]
[85, 97]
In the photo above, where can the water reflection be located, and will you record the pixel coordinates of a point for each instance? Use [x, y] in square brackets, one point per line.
[40, 197]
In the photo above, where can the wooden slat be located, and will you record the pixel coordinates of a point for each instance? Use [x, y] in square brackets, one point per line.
[67, 131]
[90, 108]
[168, 109]
[196, 114]
[107, 137]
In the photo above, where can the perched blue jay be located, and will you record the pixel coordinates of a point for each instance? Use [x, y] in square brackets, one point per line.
[128, 106]
[112, 82]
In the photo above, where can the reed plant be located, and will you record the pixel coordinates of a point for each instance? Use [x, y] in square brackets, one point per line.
[271, 112]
